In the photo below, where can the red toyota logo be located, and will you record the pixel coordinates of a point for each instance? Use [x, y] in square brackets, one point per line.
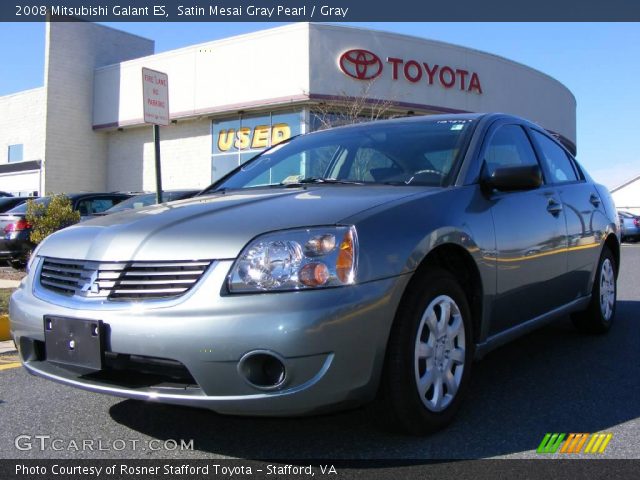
[360, 64]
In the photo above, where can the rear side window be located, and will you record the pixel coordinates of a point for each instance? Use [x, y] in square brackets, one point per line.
[96, 205]
[509, 147]
[556, 160]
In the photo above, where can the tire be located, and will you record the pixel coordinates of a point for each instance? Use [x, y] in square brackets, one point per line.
[429, 355]
[598, 316]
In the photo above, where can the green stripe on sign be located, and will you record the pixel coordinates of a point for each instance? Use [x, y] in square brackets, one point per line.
[550, 443]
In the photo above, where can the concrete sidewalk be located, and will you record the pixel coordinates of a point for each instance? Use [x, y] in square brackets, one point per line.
[4, 319]
[9, 283]
[7, 347]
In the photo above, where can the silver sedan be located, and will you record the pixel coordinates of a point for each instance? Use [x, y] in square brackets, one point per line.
[369, 263]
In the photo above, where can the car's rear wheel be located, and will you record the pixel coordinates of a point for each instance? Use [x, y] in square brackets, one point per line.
[18, 264]
[429, 356]
[598, 316]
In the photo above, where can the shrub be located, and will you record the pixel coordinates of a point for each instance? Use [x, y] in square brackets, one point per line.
[46, 219]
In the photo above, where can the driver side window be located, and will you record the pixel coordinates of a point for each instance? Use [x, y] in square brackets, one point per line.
[509, 147]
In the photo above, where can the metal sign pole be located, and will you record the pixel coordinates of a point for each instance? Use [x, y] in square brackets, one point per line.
[155, 106]
[156, 141]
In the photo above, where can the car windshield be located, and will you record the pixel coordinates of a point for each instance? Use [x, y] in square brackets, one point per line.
[395, 153]
[22, 208]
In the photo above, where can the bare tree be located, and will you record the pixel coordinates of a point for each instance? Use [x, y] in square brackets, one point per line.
[348, 109]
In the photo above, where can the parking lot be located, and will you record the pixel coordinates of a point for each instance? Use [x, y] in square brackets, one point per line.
[554, 380]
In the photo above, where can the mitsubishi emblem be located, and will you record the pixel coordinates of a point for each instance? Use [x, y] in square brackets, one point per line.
[91, 286]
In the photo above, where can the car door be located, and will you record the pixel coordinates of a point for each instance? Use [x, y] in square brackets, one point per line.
[584, 213]
[531, 237]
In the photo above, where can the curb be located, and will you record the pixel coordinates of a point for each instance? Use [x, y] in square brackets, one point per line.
[4, 328]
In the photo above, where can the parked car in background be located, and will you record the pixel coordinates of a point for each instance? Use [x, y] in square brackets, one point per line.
[7, 203]
[629, 226]
[15, 244]
[368, 262]
[5, 194]
[147, 199]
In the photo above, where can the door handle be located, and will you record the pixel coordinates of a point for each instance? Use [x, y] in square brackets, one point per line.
[553, 207]
[595, 200]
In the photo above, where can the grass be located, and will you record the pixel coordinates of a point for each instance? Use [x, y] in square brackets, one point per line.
[5, 293]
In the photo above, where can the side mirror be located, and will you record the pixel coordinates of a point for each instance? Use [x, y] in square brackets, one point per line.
[510, 179]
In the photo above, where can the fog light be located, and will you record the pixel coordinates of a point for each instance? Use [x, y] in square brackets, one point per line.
[262, 369]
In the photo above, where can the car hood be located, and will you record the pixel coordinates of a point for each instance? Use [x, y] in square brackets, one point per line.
[217, 226]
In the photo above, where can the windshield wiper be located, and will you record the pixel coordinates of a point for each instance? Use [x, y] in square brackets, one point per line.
[317, 180]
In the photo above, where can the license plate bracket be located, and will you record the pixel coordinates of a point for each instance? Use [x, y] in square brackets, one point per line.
[73, 341]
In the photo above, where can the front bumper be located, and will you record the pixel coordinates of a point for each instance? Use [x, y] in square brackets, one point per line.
[332, 342]
[630, 234]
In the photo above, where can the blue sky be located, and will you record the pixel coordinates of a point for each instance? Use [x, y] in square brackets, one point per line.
[598, 62]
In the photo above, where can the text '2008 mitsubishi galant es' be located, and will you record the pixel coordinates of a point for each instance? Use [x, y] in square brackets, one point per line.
[367, 262]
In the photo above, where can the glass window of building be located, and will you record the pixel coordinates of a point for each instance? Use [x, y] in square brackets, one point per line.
[15, 153]
[237, 140]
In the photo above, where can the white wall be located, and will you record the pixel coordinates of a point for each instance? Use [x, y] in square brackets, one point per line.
[507, 86]
[75, 155]
[628, 197]
[185, 155]
[20, 182]
[22, 121]
[225, 75]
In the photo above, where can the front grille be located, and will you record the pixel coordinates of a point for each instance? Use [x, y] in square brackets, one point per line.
[121, 280]
[134, 371]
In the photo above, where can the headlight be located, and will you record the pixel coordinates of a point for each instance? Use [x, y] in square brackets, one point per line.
[315, 257]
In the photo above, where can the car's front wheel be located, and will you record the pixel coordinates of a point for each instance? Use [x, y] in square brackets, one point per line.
[429, 356]
[598, 316]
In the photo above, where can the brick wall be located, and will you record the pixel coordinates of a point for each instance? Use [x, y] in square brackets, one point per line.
[76, 156]
[185, 151]
[22, 121]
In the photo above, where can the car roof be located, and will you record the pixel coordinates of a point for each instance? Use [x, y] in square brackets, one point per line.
[410, 119]
[14, 199]
[485, 117]
[75, 196]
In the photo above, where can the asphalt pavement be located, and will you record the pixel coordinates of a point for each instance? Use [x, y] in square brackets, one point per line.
[553, 380]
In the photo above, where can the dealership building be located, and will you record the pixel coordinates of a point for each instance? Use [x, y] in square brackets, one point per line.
[228, 99]
[627, 195]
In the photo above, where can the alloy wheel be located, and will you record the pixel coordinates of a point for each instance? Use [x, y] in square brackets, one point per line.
[439, 353]
[607, 289]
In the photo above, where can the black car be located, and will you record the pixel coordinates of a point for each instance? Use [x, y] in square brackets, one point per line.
[147, 199]
[5, 194]
[7, 203]
[15, 244]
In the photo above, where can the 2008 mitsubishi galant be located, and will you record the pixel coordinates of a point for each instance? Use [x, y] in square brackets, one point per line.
[368, 262]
